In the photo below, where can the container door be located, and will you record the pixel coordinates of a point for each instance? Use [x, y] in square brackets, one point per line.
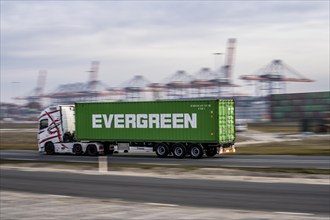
[226, 121]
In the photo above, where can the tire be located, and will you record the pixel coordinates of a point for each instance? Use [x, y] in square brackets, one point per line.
[196, 151]
[179, 151]
[162, 150]
[77, 149]
[91, 150]
[211, 151]
[49, 148]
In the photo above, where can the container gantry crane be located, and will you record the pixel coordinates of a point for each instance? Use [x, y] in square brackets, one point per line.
[273, 77]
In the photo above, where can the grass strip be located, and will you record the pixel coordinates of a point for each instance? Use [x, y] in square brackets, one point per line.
[16, 147]
[283, 170]
[270, 129]
[302, 147]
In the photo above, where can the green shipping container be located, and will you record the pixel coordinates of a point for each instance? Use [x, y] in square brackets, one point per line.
[197, 121]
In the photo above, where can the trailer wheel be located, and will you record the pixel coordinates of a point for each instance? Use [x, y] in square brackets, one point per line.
[49, 148]
[77, 149]
[196, 151]
[211, 151]
[162, 150]
[91, 150]
[179, 151]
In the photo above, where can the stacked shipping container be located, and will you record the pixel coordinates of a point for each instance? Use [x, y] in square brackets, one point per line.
[300, 106]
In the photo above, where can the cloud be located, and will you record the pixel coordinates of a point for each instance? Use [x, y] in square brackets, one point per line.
[156, 39]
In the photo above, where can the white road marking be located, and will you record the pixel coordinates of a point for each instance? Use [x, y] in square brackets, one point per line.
[294, 213]
[161, 204]
[160, 164]
[59, 196]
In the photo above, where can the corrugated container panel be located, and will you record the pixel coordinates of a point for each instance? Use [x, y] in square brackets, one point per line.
[298, 102]
[279, 97]
[226, 121]
[285, 102]
[283, 109]
[173, 121]
[311, 108]
[295, 96]
[316, 95]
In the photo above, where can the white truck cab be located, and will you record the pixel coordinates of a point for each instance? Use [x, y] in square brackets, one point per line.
[56, 133]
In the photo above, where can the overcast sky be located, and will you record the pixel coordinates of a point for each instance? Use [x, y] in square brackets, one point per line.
[157, 38]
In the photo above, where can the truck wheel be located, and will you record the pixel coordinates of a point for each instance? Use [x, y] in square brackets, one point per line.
[179, 151]
[196, 151]
[49, 148]
[77, 149]
[211, 151]
[91, 150]
[162, 150]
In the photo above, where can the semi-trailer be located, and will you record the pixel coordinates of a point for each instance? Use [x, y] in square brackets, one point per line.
[179, 128]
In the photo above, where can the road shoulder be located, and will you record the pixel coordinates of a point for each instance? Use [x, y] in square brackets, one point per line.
[176, 173]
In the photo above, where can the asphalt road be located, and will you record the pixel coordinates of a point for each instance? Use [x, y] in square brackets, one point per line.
[275, 197]
[274, 161]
